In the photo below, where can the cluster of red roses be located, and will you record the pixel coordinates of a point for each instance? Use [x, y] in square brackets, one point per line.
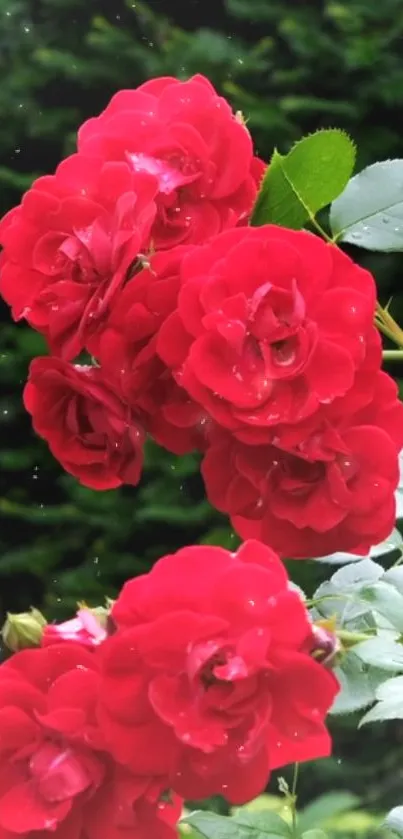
[202, 682]
[255, 346]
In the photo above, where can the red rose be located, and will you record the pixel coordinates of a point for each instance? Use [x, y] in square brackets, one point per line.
[319, 490]
[55, 775]
[186, 136]
[204, 677]
[126, 350]
[271, 323]
[70, 244]
[85, 629]
[88, 428]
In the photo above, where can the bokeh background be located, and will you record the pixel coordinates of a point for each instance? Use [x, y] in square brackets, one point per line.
[291, 66]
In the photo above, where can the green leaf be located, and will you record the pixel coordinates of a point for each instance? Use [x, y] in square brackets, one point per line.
[381, 652]
[354, 576]
[342, 591]
[394, 820]
[324, 808]
[334, 601]
[392, 688]
[357, 691]
[369, 213]
[243, 825]
[266, 802]
[314, 834]
[297, 185]
[390, 702]
[395, 577]
[385, 600]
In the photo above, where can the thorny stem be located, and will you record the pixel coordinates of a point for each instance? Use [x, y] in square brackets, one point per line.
[294, 798]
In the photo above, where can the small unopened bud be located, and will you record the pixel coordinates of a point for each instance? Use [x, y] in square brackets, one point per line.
[323, 644]
[23, 630]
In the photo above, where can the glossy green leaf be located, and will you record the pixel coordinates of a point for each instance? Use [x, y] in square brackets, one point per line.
[297, 185]
[369, 213]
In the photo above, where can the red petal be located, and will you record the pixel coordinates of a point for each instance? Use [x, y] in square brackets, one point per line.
[21, 810]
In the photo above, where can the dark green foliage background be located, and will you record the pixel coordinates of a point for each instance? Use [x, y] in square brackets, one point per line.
[291, 67]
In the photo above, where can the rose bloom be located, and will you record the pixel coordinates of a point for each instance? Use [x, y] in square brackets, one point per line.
[88, 428]
[126, 350]
[204, 678]
[187, 136]
[270, 324]
[321, 489]
[85, 629]
[70, 244]
[56, 778]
